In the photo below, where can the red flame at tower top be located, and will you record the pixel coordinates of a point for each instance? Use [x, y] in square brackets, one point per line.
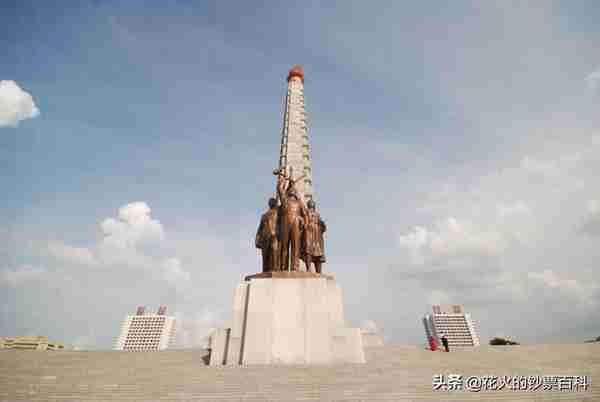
[296, 71]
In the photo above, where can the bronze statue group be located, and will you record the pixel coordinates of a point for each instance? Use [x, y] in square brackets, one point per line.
[290, 230]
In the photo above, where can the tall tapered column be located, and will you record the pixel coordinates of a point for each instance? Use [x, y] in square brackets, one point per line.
[295, 150]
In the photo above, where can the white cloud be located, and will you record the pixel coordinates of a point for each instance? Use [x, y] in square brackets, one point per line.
[593, 80]
[591, 223]
[370, 326]
[78, 255]
[413, 242]
[543, 167]
[552, 280]
[20, 275]
[594, 207]
[192, 331]
[133, 239]
[452, 241]
[577, 290]
[15, 104]
[85, 342]
[174, 273]
[516, 209]
[133, 228]
[437, 296]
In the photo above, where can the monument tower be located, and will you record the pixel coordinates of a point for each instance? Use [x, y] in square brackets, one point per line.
[295, 151]
[285, 315]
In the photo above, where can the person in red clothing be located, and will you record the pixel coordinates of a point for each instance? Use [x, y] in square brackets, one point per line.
[432, 344]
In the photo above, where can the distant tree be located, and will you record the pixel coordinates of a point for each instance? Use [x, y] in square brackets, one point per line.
[501, 341]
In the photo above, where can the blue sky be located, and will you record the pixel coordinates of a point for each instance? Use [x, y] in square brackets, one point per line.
[455, 149]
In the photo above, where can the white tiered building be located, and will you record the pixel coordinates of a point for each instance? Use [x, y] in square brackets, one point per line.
[454, 323]
[147, 332]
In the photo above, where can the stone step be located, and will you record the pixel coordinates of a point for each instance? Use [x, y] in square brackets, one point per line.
[392, 373]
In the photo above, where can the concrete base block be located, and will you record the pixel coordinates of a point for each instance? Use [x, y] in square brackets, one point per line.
[287, 321]
[347, 346]
[371, 339]
[218, 344]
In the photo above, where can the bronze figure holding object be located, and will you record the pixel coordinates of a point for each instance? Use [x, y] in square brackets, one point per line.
[290, 230]
[292, 214]
[312, 239]
[267, 238]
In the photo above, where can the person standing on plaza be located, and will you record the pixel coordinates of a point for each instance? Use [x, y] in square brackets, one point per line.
[445, 343]
[432, 344]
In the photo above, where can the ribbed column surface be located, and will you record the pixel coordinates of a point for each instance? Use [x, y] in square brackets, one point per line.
[295, 151]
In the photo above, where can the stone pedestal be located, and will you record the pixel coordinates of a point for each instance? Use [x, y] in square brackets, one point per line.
[287, 318]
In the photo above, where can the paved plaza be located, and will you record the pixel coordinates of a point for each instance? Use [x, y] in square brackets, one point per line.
[392, 373]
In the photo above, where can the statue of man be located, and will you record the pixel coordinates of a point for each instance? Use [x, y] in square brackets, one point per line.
[291, 217]
[266, 238]
[314, 227]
